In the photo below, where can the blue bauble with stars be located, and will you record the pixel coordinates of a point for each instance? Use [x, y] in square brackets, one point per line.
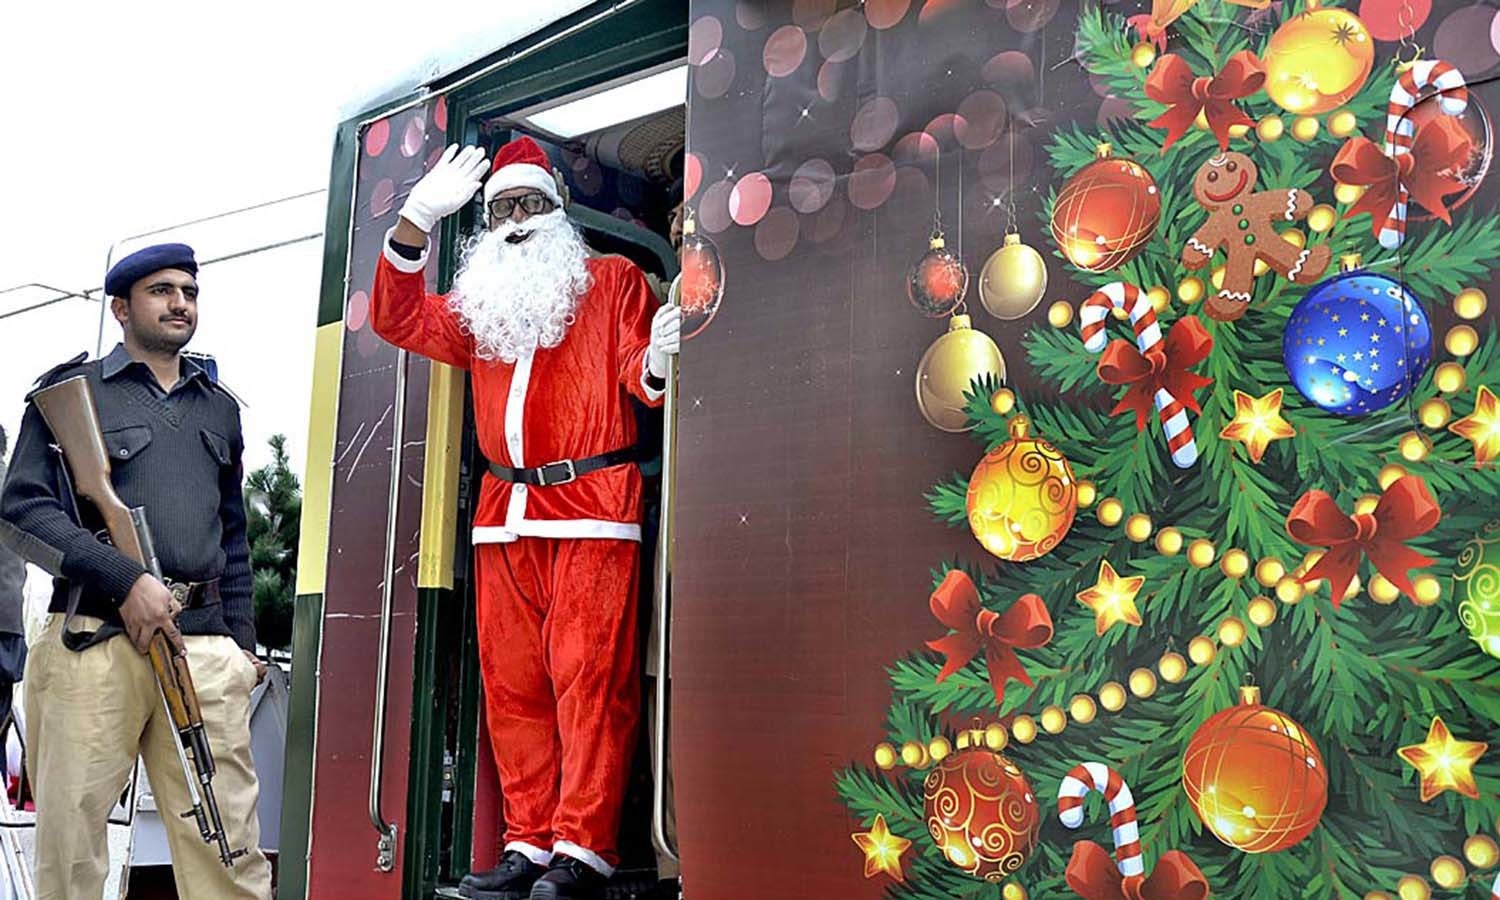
[1357, 342]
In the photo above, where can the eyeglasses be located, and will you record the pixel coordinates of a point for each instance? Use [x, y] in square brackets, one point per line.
[533, 204]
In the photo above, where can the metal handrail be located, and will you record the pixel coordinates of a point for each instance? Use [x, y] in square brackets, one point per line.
[385, 845]
[663, 598]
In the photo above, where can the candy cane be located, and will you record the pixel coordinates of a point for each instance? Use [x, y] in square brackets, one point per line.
[1091, 321]
[1099, 777]
[1452, 97]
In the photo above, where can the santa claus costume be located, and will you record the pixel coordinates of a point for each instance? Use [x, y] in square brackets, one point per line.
[556, 344]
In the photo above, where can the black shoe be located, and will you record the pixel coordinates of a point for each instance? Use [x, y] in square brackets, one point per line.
[511, 880]
[568, 879]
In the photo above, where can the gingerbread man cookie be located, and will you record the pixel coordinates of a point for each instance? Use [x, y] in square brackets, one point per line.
[1239, 221]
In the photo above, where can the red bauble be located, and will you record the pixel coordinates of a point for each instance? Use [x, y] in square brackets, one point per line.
[701, 285]
[1106, 213]
[1475, 120]
[1254, 776]
[938, 282]
[981, 813]
[1392, 20]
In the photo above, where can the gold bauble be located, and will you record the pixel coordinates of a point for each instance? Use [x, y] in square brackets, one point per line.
[939, 749]
[1262, 611]
[1461, 340]
[1022, 496]
[1365, 504]
[1269, 571]
[1388, 475]
[885, 756]
[1060, 314]
[1054, 720]
[1295, 237]
[995, 737]
[914, 755]
[1201, 553]
[1138, 527]
[1235, 563]
[1231, 632]
[1142, 55]
[1290, 591]
[1469, 303]
[1160, 298]
[1448, 872]
[1377, 895]
[1216, 277]
[1087, 493]
[1270, 128]
[1348, 194]
[1414, 447]
[1305, 128]
[1382, 591]
[1190, 289]
[1023, 729]
[1413, 887]
[1427, 590]
[1201, 650]
[1238, 131]
[1434, 413]
[1322, 217]
[1449, 377]
[1012, 891]
[1142, 683]
[1318, 61]
[1169, 542]
[1172, 666]
[949, 368]
[1110, 512]
[1112, 696]
[1082, 709]
[1003, 401]
[1342, 123]
[1013, 280]
[1481, 851]
[1120, 313]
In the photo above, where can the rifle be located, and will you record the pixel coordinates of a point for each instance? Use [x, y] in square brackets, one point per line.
[69, 411]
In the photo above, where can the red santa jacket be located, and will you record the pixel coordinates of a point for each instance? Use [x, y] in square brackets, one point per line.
[567, 402]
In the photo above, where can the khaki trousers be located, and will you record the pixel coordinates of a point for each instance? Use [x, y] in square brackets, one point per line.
[89, 715]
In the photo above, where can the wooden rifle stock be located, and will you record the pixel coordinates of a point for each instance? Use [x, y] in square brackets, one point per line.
[69, 411]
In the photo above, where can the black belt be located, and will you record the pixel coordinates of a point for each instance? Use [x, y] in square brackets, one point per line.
[188, 595]
[564, 470]
[192, 596]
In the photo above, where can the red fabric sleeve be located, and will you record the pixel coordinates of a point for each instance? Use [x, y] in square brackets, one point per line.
[637, 305]
[402, 312]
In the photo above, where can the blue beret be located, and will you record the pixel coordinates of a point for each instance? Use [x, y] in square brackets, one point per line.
[143, 262]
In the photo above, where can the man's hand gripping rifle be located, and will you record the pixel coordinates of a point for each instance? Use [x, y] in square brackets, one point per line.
[68, 408]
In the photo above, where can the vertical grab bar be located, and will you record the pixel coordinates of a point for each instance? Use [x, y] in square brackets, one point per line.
[385, 845]
[663, 596]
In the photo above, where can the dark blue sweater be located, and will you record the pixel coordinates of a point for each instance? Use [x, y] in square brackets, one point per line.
[178, 454]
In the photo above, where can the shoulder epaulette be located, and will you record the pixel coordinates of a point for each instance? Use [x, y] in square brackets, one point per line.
[53, 375]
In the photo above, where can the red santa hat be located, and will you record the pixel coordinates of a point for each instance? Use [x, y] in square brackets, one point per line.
[521, 163]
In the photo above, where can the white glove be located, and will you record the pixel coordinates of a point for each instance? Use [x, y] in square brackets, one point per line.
[666, 339]
[444, 190]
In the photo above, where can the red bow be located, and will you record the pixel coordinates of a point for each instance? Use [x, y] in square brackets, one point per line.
[1093, 876]
[1026, 624]
[1163, 366]
[1441, 146]
[1173, 83]
[1406, 510]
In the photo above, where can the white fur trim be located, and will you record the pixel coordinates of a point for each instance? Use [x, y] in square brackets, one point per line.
[584, 855]
[584, 529]
[521, 175]
[401, 263]
[531, 851]
[515, 408]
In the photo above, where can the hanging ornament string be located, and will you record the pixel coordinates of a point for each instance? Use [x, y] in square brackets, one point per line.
[1010, 188]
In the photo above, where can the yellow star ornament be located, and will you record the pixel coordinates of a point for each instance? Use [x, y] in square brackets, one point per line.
[1112, 598]
[1482, 426]
[882, 850]
[1257, 422]
[1443, 763]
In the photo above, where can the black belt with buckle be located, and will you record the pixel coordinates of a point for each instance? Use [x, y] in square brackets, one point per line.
[192, 596]
[564, 470]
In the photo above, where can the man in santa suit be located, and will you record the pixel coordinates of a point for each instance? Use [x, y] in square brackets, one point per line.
[556, 344]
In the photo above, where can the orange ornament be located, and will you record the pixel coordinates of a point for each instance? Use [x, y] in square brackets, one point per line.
[1106, 213]
[981, 813]
[1254, 776]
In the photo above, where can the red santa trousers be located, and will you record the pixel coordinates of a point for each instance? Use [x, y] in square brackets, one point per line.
[558, 655]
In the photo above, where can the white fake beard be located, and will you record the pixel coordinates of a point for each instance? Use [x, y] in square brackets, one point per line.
[515, 298]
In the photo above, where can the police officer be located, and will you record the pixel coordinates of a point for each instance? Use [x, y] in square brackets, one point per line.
[174, 442]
